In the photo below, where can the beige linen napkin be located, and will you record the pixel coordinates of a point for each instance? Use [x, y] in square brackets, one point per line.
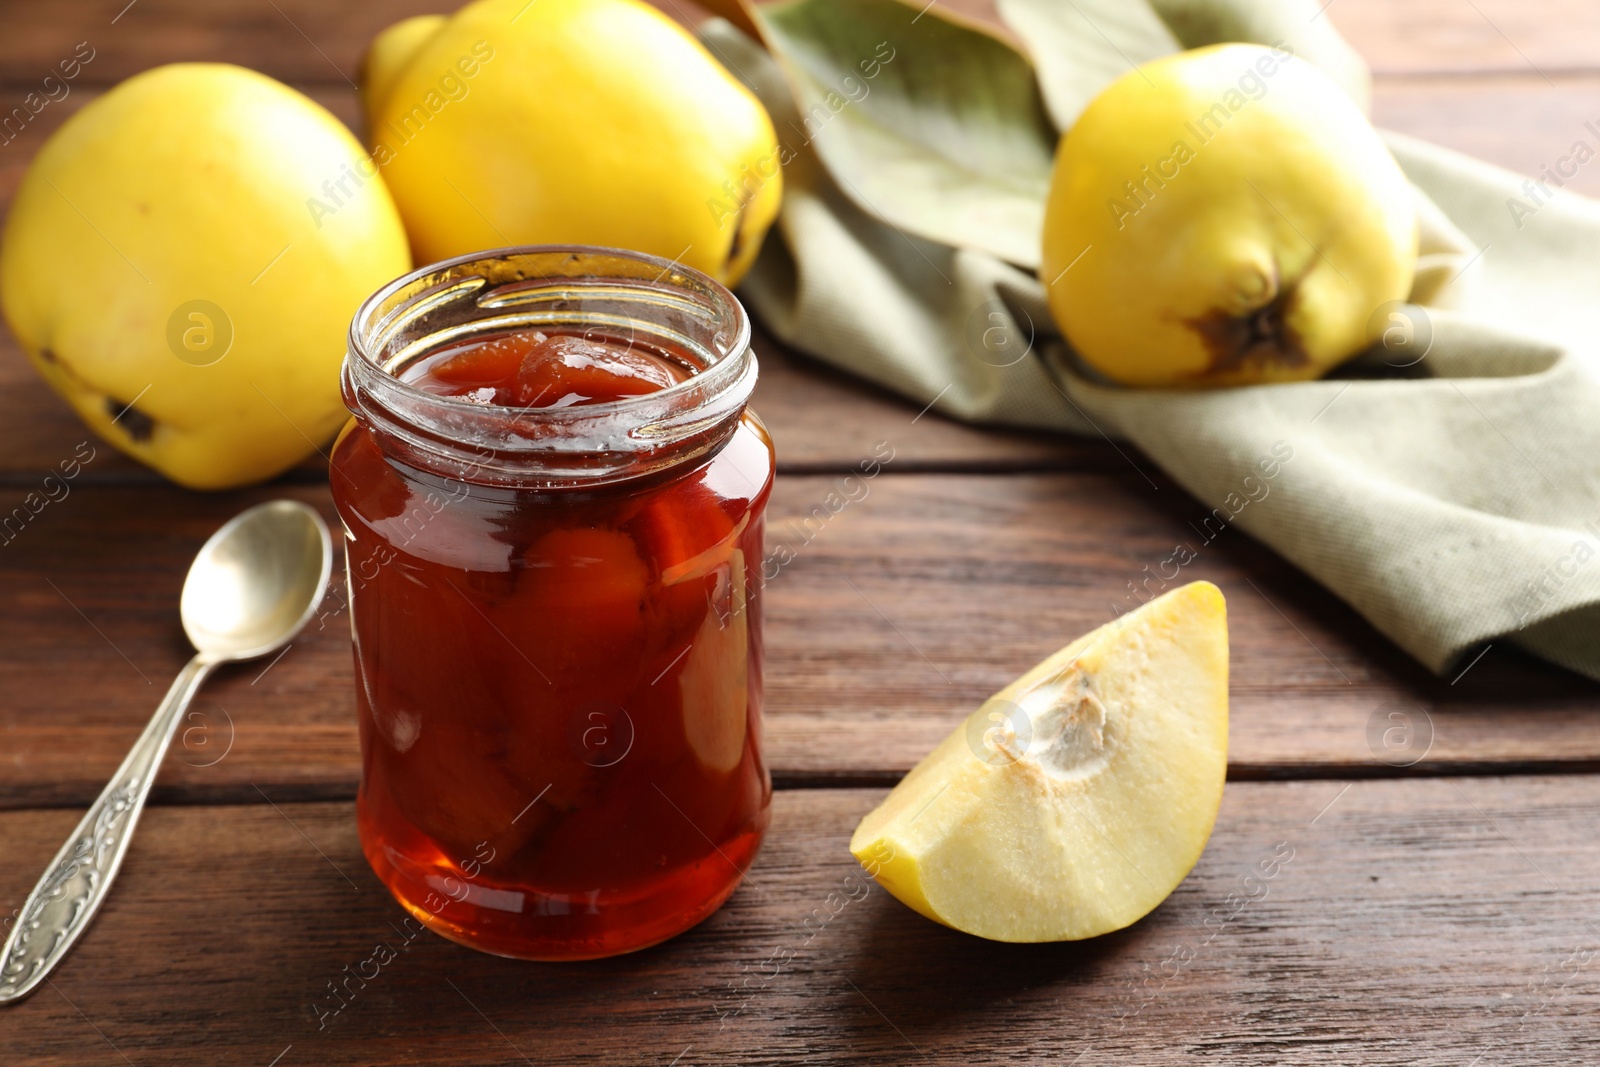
[1453, 504]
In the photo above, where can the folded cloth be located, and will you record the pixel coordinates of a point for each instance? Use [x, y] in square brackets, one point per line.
[1455, 505]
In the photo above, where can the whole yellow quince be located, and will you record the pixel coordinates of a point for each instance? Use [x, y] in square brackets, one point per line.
[595, 122]
[164, 271]
[1224, 216]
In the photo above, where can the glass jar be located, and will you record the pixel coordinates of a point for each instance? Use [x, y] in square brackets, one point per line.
[556, 611]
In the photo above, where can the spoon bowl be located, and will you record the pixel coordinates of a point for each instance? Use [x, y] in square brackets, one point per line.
[257, 581]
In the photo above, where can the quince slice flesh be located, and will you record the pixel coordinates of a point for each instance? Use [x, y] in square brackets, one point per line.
[1078, 797]
[715, 683]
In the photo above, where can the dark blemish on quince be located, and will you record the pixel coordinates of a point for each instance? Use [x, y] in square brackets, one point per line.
[135, 423]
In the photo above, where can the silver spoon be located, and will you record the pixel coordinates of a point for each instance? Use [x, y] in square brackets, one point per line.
[254, 584]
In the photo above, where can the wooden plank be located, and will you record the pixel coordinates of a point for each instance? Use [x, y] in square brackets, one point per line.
[897, 616]
[938, 590]
[293, 40]
[1412, 37]
[824, 420]
[307, 41]
[1416, 922]
[1516, 121]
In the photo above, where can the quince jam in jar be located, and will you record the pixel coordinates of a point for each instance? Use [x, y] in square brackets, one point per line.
[553, 499]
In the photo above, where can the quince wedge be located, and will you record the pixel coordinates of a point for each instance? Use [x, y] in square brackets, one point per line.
[1078, 797]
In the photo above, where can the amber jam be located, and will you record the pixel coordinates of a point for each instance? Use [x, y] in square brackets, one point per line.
[553, 498]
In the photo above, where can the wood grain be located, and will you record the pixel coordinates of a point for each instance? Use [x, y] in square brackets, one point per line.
[307, 41]
[897, 617]
[1428, 37]
[1417, 922]
[1515, 121]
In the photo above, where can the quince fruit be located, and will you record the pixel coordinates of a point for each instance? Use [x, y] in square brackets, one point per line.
[598, 122]
[389, 53]
[1078, 797]
[163, 271]
[1224, 216]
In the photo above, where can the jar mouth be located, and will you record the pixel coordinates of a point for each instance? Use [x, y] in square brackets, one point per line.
[630, 295]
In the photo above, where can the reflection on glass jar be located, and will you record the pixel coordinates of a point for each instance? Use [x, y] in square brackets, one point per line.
[553, 496]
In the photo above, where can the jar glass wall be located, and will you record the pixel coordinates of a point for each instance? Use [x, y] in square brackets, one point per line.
[556, 610]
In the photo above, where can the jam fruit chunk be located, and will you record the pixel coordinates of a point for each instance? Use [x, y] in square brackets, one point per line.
[536, 369]
[563, 370]
[715, 681]
[579, 605]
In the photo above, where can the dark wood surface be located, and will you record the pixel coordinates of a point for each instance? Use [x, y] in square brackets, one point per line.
[981, 576]
[1433, 913]
[1415, 922]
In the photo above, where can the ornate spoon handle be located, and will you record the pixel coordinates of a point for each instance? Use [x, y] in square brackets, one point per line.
[77, 880]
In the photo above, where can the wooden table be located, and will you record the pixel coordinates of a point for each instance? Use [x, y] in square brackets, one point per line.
[1435, 913]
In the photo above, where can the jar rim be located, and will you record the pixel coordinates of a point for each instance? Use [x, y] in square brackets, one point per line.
[494, 289]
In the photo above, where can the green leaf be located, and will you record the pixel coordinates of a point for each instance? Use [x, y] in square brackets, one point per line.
[935, 126]
[1300, 24]
[1081, 46]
